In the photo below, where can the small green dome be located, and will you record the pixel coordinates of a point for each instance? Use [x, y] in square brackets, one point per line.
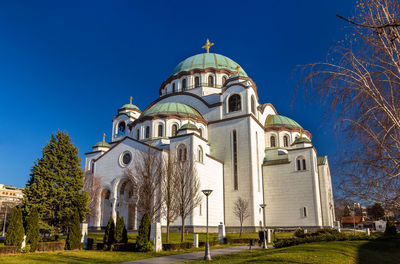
[129, 106]
[207, 60]
[281, 121]
[172, 109]
[301, 140]
[189, 126]
[102, 144]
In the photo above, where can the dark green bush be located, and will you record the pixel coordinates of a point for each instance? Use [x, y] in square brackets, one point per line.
[32, 229]
[142, 240]
[299, 232]
[74, 236]
[15, 231]
[390, 229]
[261, 235]
[89, 243]
[109, 234]
[228, 240]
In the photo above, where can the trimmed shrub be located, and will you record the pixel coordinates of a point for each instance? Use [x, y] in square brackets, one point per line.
[142, 240]
[119, 226]
[228, 240]
[299, 232]
[177, 246]
[51, 246]
[8, 250]
[74, 233]
[109, 234]
[390, 229]
[32, 230]
[90, 244]
[15, 231]
[124, 235]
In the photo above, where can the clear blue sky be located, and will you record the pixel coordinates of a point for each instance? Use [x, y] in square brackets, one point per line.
[70, 65]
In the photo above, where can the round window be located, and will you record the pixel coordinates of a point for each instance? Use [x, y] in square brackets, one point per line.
[126, 158]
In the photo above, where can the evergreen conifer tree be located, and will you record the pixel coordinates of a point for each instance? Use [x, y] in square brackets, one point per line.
[143, 237]
[124, 233]
[109, 234]
[55, 186]
[32, 229]
[74, 232]
[119, 229]
[15, 231]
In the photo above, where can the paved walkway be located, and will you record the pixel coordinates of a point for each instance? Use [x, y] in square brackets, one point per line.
[189, 256]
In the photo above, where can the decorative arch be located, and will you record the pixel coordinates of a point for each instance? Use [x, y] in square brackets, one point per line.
[105, 206]
[301, 164]
[160, 130]
[91, 166]
[174, 130]
[184, 84]
[272, 141]
[253, 104]
[121, 127]
[181, 152]
[200, 154]
[196, 81]
[211, 80]
[234, 103]
[286, 141]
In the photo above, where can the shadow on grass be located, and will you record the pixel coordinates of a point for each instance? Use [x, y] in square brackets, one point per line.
[382, 251]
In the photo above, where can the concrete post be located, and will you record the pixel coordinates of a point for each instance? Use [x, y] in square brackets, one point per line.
[221, 233]
[84, 230]
[155, 235]
[196, 240]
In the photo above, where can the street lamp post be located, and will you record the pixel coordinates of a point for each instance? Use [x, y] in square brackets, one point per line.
[264, 240]
[207, 255]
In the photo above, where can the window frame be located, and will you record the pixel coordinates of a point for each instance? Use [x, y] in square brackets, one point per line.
[238, 105]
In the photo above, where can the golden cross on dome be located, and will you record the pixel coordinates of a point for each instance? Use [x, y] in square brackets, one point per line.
[237, 69]
[104, 137]
[130, 100]
[207, 46]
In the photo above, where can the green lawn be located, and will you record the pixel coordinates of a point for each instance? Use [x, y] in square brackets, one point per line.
[352, 252]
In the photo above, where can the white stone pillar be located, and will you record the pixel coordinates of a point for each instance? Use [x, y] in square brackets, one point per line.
[368, 232]
[269, 235]
[155, 235]
[84, 230]
[196, 240]
[114, 209]
[98, 213]
[221, 233]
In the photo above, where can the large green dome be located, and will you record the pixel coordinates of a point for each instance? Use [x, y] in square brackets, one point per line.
[172, 109]
[207, 60]
[281, 121]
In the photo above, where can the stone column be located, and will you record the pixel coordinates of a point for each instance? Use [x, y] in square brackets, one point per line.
[221, 233]
[98, 214]
[84, 229]
[114, 209]
[155, 235]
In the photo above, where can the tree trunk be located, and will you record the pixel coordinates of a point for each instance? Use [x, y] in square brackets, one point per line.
[167, 231]
[241, 225]
[183, 230]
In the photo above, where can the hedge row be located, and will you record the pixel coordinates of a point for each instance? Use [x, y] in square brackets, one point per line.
[8, 250]
[319, 238]
[51, 246]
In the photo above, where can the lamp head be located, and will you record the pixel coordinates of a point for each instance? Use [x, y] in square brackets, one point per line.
[262, 205]
[207, 192]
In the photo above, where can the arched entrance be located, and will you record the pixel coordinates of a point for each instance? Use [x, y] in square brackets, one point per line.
[106, 207]
[127, 204]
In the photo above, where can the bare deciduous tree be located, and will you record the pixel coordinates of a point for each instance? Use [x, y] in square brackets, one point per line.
[361, 82]
[241, 211]
[145, 177]
[170, 209]
[93, 185]
[188, 190]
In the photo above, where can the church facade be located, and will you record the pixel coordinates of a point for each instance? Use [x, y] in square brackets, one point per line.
[242, 148]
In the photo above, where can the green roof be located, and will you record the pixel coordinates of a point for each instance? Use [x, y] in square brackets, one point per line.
[301, 140]
[207, 60]
[129, 106]
[281, 121]
[189, 126]
[102, 144]
[322, 160]
[172, 109]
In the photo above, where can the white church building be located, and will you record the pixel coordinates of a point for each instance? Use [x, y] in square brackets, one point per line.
[209, 108]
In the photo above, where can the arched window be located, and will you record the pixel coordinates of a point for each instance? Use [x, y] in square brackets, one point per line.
[196, 81]
[272, 141]
[121, 128]
[184, 85]
[173, 87]
[301, 164]
[174, 130]
[253, 105]
[138, 134]
[147, 132]
[201, 131]
[200, 154]
[224, 80]
[160, 130]
[285, 141]
[182, 152]
[210, 81]
[92, 166]
[234, 103]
